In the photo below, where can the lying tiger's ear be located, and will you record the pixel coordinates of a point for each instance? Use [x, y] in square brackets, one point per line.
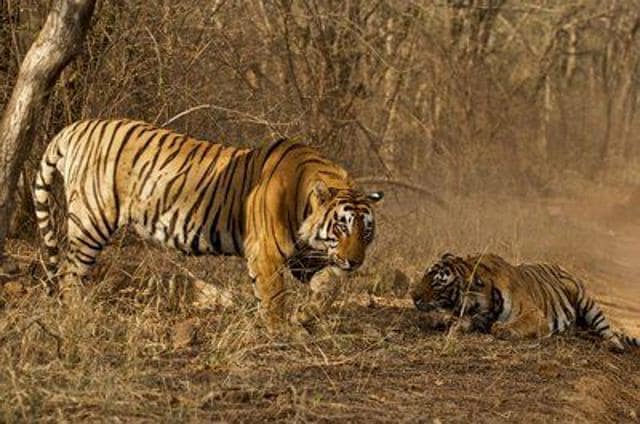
[375, 196]
[322, 192]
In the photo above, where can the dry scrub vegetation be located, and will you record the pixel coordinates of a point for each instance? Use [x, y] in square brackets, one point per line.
[519, 114]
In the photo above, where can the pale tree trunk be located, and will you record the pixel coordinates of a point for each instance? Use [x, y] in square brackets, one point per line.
[545, 121]
[57, 43]
[621, 66]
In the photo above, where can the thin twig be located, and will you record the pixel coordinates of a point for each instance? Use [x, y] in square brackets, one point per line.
[48, 332]
[185, 112]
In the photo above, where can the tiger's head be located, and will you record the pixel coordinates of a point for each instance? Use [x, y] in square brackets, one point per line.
[442, 284]
[340, 225]
[484, 298]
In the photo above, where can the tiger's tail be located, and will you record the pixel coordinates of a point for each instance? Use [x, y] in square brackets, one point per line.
[595, 320]
[52, 160]
[628, 340]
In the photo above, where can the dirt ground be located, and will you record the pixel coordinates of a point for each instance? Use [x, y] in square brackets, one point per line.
[136, 349]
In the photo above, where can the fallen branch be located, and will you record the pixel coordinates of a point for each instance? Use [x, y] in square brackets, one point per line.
[409, 186]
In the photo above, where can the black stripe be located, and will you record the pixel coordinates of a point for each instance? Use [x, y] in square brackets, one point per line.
[187, 158]
[96, 195]
[288, 150]
[92, 216]
[80, 156]
[74, 138]
[214, 235]
[205, 152]
[596, 316]
[599, 321]
[180, 189]
[144, 147]
[188, 219]
[86, 233]
[232, 199]
[273, 147]
[101, 209]
[242, 199]
[46, 229]
[226, 183]
[172, 222]
[161, 142]
[166, 204]
[156, 215]
[84, 261]
[116, 195]
[171, 157]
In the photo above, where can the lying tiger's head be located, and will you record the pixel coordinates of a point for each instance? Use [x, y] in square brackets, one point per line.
[442, 284]
[483, 297]
[340, 225]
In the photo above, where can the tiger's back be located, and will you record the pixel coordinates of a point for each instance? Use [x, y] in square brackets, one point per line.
[120, 172]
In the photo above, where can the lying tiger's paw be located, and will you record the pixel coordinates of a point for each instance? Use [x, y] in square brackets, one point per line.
[462, 325]
[504, 332]
[438, 320]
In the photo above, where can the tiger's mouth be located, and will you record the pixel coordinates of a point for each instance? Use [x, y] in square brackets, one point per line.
[346, 264]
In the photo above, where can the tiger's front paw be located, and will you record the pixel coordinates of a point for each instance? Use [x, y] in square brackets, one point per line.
[306, 316]
[505, 332]
[274, 320]
[282, 329]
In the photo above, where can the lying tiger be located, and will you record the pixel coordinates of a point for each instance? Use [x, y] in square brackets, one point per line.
[513, 302]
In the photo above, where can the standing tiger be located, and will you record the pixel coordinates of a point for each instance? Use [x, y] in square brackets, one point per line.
[511, 302]
[281, 205]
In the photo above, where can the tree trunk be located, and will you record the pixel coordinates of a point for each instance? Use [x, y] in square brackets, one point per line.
[57, 43]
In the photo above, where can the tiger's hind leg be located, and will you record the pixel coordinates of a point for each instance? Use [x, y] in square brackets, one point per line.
[85, 241]
[531, 323]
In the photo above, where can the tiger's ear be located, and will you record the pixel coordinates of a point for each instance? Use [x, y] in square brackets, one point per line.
[322, 192]
[375, 196]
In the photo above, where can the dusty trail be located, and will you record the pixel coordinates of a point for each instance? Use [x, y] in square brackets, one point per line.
[610, 252]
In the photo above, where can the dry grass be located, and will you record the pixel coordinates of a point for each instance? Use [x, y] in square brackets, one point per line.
[137, 350]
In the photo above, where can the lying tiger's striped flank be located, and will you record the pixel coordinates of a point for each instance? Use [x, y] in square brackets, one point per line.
[201, 198]
[515, 301]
